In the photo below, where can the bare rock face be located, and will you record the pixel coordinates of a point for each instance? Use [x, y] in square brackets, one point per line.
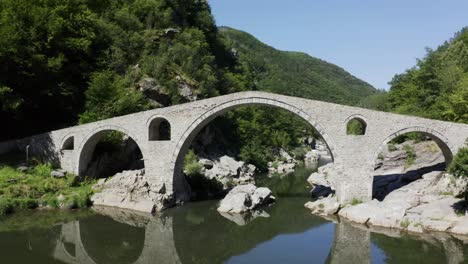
[154, 92]
[228, 171]
[131, 190]
[244, 198]
[423, 205]
[325, 206]
[323, 181]
[186, 89]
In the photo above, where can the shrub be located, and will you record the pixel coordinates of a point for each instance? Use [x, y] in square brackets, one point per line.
[191, 165]
[391, 147]
[299, 153]
[355, 201]
[459, 166]
[355, 127]
[380, 156]
[410, 155]
[6, 206]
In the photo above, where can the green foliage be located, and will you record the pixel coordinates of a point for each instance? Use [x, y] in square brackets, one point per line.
[28, 190]
[415, 136]
[294, 73]
[391, 147]
[261, 130]
[410, 155]
[108, 96]
[191, 165]
[81, 59]
[355, 127]
[459, 165]
[355, 201]
[438, 86]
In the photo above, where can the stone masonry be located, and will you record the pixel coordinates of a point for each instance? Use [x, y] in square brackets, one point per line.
[354, 156]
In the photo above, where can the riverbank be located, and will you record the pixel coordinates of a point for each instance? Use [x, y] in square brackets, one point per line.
[40, 187]
[417, 196]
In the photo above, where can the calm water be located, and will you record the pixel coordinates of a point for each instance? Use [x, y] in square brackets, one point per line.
[196, 233]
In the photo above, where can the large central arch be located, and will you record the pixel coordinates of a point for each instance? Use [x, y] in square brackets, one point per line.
[194, 128]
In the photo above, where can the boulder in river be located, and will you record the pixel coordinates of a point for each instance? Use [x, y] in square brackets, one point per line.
[244, 198]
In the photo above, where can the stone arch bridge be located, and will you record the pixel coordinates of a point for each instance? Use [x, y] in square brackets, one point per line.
[164, 135]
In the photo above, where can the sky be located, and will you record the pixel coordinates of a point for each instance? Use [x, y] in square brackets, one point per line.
[372, 39]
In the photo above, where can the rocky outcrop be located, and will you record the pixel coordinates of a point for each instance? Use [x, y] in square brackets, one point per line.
[131, 190]
[416, 197]
[154, 92]
[284, 162]
[245, 198]
[393, 158]
[423, 205]
[323, 181]
[228, 171]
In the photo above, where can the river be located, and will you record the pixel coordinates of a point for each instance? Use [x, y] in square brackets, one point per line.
[196, 233]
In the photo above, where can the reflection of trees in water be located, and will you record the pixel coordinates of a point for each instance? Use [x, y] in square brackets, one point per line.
[290, 185]
[197, 233]
[203, 236]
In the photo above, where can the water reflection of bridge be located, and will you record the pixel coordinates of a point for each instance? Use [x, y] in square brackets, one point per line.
[164, 243]
[158, 246]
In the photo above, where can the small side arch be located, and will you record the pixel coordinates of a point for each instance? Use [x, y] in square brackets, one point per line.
[68, 143]
[159, 129]
[356, 125]
[442, 142]
[87, 145]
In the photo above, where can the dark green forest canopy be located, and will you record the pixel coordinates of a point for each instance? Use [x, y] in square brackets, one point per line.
[64, 62]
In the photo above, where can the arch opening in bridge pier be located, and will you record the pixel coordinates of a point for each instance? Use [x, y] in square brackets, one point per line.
[69, 143]
[107, 151]
[182, 147]
[405, 156]
[159, 129]
[106, 240]
[356, 125]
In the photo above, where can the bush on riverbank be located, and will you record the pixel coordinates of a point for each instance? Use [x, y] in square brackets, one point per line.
[459, 166]
[36, 188]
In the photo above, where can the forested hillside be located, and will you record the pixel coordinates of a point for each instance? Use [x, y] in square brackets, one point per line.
[77, 61]
[437, 87]
[64, 62]
[295, 73]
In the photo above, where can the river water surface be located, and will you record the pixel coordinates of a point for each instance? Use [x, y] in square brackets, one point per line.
[196, 233]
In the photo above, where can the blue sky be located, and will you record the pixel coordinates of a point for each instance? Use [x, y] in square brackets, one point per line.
[372, 39]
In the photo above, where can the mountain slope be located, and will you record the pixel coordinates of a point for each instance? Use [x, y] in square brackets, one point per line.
[295, 73]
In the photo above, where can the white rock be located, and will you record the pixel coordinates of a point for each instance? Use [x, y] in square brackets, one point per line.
[461, 227]
[58, 174]
[244, 198]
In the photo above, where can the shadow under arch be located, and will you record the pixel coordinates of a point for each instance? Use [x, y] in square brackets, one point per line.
[195, 127]
[87, 145]
[442, 142]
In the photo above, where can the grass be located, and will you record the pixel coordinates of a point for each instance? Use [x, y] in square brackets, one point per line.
[36, 188]
[355, 201]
